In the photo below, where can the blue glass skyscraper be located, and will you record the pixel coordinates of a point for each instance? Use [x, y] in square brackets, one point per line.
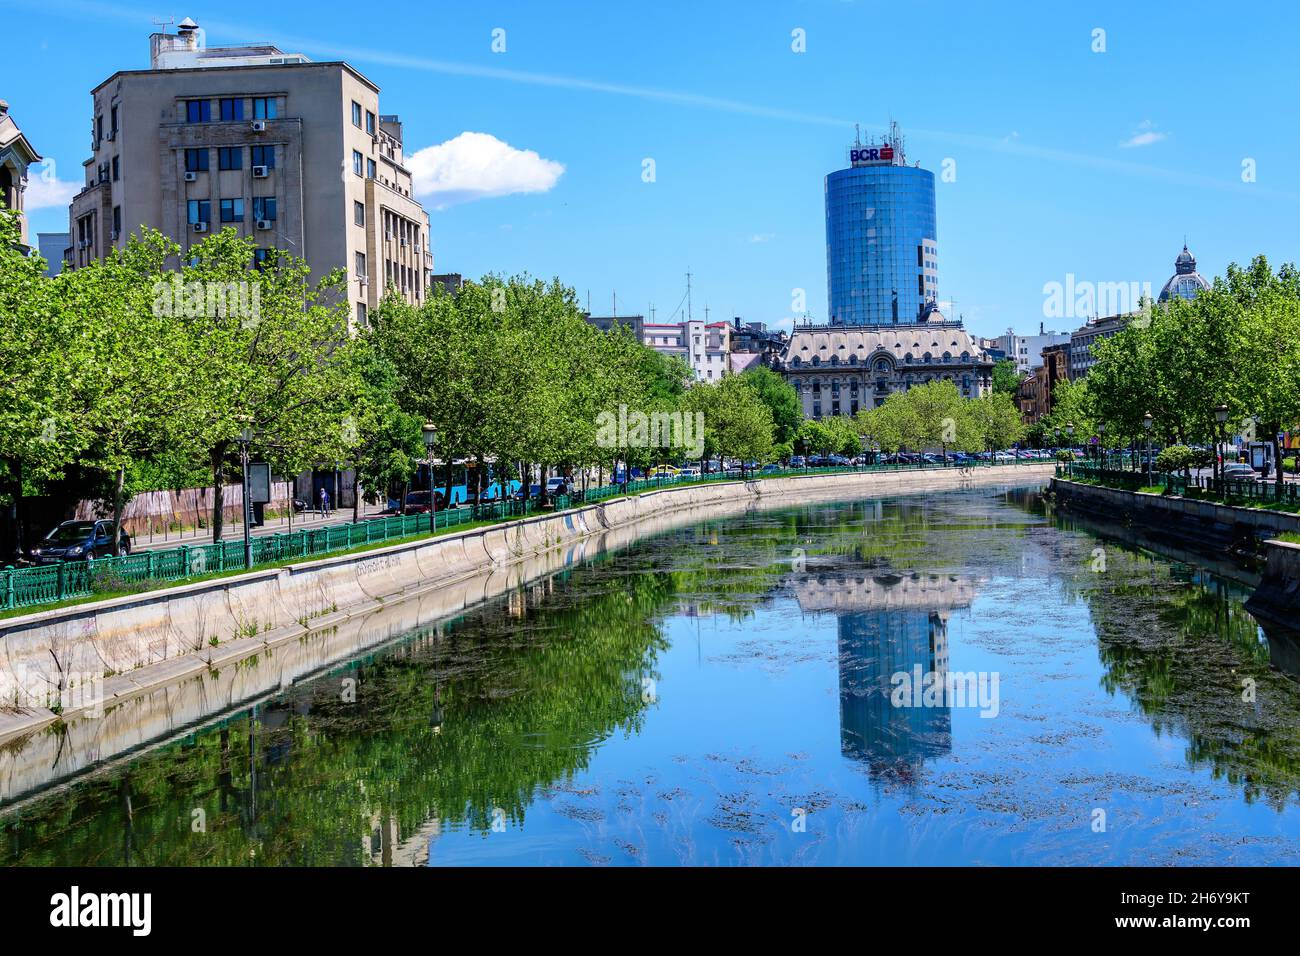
[881, 256]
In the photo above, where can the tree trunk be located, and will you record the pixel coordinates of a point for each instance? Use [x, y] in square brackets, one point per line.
[119, 489]
[356, 496]
[218, 490]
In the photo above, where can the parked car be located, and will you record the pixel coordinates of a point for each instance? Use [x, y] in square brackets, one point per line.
[80, 541]
[770, 470]
[1239, 472]
[558, 486]
[798, 461]
[534, 492]
[417, 502]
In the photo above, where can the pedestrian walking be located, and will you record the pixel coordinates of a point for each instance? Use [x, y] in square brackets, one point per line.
[324, 503]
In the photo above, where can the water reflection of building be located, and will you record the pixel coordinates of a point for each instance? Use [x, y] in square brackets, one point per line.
[889, 624]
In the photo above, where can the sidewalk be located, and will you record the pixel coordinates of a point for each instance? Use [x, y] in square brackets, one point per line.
[234, 530]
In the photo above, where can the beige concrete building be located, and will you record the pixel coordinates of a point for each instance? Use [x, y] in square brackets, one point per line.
[293, 153]
[16, 154]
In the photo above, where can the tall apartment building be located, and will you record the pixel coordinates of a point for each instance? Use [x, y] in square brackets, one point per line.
[293, 153]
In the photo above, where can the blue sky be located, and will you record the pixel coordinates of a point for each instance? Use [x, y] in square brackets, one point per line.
[1067, 161]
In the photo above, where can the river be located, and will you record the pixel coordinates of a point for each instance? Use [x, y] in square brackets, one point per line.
[739, 692]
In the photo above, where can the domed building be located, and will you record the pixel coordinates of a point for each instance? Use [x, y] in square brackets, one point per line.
[1186, 281]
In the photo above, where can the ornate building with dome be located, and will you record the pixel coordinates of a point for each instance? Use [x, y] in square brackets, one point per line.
[1186, 281]
[843, 369]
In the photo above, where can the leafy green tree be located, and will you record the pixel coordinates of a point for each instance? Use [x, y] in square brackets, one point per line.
[261, 357]
[1006, 377]
[779, 397]
[995, 421]
[383, 441]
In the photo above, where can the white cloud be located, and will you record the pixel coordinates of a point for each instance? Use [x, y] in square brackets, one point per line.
[479, 166]
[1146, 135]
[762, 237]
[45, 190]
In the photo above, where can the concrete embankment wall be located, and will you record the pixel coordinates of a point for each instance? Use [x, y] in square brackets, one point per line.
[1208, 526]
[1188, 519]
[221, 641]
[1278, 596]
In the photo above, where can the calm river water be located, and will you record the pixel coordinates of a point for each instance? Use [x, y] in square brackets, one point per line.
[732, 693]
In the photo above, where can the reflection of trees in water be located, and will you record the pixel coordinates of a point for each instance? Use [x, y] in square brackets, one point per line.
[1178, 642]
[443, 728]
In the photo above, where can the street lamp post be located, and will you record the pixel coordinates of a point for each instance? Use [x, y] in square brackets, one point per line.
[1101, 443]
[1221, 419]
[430, 438]
[246, 439]
[1146, 425]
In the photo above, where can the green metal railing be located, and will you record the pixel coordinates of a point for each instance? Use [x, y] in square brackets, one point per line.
[1230, 491]
[45, 584]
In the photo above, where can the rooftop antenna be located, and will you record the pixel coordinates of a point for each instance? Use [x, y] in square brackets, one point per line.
[616, 305]
[688, 293]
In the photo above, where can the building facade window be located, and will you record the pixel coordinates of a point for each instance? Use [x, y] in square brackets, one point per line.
[198, 111]
[230, 157]
[370, 169]
[196, 160]
[117, 168]
[264, 208]
[199, 210]
[263, 156]
[232, 109]
[361, 313]
[361, 263]
[370, 122]
[359, 213]
[264, 107]
[232, 210]
[356, 114]
[357, 159]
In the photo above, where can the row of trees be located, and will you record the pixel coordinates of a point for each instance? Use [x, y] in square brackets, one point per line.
[1236, 344]
[146, 371]
[135, 372]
